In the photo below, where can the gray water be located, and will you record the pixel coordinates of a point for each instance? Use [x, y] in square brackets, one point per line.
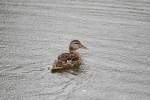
[34, 32]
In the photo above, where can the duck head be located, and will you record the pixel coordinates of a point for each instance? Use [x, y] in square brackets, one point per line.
[75, 45]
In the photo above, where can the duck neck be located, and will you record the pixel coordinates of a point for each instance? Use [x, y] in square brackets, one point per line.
[72, 51]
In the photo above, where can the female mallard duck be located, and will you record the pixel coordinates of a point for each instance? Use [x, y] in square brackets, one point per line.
[69, 60]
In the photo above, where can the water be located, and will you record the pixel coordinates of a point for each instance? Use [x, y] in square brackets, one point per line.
[34, 32]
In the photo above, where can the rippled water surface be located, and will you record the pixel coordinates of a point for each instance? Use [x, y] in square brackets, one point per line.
[34, 32]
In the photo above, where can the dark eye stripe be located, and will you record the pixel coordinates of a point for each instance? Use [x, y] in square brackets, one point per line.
[76, 43]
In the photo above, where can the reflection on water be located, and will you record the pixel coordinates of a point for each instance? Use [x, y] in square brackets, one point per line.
[34, 32]
[77, 71]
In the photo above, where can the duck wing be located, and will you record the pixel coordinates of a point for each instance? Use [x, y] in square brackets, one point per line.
[66, 61]
[64, 57]
[74, 57]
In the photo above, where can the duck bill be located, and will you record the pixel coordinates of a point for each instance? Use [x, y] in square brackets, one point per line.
[84, 47]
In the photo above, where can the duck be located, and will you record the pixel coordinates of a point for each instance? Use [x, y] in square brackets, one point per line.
[70, 60]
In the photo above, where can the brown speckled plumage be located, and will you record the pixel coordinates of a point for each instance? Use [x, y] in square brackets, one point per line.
[68, 60]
